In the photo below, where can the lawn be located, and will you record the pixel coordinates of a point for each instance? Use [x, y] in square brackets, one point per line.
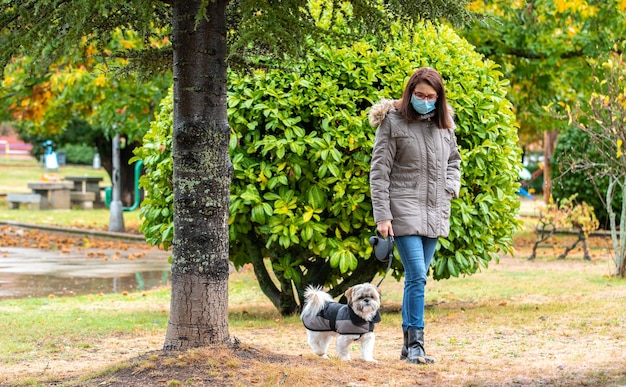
[14, 178]
[15, 174]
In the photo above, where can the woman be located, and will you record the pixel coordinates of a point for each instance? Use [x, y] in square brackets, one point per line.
[415, 173]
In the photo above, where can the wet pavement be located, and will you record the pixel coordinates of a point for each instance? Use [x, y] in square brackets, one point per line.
[35, 272]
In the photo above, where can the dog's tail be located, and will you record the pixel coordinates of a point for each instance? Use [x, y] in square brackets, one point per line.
[314, 300]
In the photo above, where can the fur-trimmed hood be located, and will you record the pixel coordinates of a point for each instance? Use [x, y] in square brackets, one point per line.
[379, 111]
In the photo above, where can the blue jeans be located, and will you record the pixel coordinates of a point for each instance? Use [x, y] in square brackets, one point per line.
[416, 252]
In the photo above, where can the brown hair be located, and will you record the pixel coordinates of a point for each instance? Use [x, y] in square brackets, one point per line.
[432, 78]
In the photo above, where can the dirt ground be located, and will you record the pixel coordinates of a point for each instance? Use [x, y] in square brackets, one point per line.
[471, 350]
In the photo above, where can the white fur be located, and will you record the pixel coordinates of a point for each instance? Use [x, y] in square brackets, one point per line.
[315, 299]
[379, 111]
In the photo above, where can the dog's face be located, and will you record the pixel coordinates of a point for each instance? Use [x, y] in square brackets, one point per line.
[364, 300]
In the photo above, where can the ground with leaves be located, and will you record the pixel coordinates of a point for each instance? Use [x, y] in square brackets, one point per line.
[509, 339]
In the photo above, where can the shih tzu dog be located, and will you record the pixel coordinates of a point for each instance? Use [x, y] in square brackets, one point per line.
[324, 319]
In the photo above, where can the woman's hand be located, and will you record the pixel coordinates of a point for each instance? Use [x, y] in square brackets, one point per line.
[384, 228]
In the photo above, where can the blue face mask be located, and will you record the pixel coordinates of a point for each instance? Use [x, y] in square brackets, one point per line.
[422, 106]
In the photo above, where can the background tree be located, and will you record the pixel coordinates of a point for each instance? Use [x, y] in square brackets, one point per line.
[300, 209]
[543, 46]
[201, 169]
[602, 123]
[81, 99]
[575, 144]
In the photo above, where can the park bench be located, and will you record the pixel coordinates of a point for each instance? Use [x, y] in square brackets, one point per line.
[32, 200]
[83, 199]
[88, 184]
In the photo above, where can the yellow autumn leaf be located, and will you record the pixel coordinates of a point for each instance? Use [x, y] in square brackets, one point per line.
[619, 148]
[561, 5]
[100, 81]
[571, 31]
[477, 5]
[90, 50]
[518, 4]
[622, 6]
[8, 81]
[127, 44]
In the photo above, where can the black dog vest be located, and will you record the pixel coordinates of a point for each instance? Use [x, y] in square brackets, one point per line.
[341, 319]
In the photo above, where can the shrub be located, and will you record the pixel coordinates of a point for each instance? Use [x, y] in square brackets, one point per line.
[300, 209]
[78, 154]
[156, 211]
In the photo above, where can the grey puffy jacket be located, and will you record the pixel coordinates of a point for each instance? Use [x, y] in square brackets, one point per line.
[414, 173]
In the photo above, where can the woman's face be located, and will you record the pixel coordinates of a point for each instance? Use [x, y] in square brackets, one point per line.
[424, 91]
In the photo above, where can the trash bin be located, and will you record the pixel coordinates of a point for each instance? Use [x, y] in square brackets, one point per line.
[61, 158]
[51, 161]
[108, 196]
[96, 161]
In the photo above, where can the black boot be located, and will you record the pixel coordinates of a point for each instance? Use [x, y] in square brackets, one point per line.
[415, 347]
[403, 353]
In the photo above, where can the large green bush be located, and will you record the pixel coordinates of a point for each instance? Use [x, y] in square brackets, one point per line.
[78, 154]
[300, 208]
[157, 211]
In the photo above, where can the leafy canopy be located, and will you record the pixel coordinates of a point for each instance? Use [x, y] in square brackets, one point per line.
[542, 47]
[49, 29]
[82, 87]
[106, 62]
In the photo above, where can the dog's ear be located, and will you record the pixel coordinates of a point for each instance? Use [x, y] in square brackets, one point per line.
[348, 294]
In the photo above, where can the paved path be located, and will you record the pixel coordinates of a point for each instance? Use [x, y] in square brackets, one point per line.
[33, 272]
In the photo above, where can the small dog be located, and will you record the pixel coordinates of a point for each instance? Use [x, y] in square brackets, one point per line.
[324, 319]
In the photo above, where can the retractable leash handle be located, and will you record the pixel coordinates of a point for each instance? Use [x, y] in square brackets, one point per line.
[383, 250]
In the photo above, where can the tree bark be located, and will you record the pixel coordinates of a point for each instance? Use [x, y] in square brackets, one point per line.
[202, 177]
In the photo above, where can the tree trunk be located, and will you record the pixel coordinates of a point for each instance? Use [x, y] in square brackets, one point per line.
[127, 171]
[202, 177]
[549, 142]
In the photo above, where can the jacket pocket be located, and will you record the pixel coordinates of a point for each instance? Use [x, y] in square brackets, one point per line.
[404, 181]
[401, 137]
[404, 202]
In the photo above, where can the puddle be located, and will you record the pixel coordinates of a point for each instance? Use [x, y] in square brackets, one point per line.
[27, 272]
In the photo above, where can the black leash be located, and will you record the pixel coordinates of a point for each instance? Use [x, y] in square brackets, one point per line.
[386, 271]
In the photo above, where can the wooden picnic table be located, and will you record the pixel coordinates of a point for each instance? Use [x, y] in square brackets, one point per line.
[88, 184]
[55, 195]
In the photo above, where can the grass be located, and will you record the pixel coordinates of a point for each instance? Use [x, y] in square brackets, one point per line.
[51, 326]
[97, 219]
[15, 174]
[14, 178]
